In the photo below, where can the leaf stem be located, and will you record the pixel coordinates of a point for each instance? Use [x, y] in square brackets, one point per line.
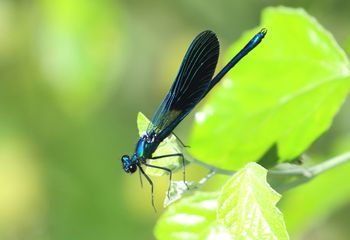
[302, 174]
[329, 164]
[206, 178]
[208, 166]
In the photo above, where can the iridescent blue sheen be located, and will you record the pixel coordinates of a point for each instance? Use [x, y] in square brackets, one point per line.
[172, 110]
[140, 148]
[192, 83]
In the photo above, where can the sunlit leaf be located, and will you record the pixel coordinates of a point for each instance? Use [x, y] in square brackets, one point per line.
[178, 189]
[284, 93]
[247, 206]
[191, 218]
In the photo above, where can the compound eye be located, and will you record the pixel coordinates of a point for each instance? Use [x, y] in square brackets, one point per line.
[132, 168]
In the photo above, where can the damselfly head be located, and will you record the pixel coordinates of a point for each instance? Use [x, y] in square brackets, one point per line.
[128, 166]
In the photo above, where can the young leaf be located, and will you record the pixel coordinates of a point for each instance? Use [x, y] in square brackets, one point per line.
[284, 93]
[178, 189]
[191, 218]
[247, 206]
[168, 146]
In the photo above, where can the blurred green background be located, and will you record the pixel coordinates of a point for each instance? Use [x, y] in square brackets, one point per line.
[74, 74]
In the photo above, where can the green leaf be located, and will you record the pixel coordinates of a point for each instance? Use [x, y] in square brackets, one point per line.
[247, 206]
[178, 189]
[168, 146]
[191, 218]
[285, 93]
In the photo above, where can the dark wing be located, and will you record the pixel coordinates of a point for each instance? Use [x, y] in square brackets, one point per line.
[190, 84]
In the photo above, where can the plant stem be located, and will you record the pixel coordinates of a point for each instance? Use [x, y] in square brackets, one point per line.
[312, 171]
[206, 178]
[329, 164]
[303, 174]
[208, 166]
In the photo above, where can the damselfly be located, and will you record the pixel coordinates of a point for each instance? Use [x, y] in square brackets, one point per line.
[193, 82]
